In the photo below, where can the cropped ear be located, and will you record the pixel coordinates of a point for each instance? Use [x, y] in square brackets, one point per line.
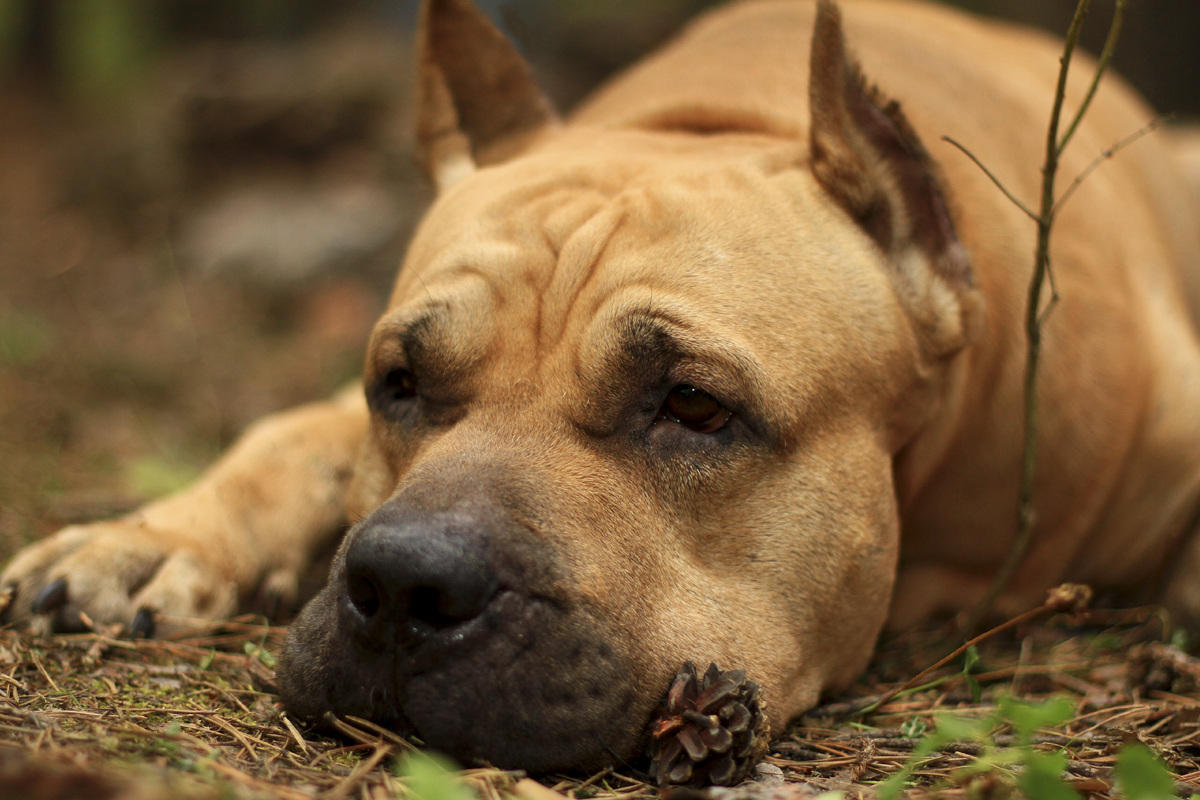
[477, 102]
[868, 158]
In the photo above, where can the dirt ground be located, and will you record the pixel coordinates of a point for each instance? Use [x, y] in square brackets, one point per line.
[172, 269]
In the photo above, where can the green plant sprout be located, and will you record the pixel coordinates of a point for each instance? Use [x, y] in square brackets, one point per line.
[428, 776]
[1025, 769]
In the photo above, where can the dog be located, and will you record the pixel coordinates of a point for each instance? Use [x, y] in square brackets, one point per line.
[728, 367]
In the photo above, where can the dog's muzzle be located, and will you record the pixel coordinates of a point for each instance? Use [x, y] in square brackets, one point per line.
[458, 624]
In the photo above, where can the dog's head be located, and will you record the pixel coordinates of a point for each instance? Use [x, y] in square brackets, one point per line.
[635, 402]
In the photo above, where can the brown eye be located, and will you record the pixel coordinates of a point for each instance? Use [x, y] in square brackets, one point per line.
[694, 408]
[401, 384]
[387, 396]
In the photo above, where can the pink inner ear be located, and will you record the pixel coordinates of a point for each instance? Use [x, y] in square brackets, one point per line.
[931, 228]
[488, 82]
[867, 156]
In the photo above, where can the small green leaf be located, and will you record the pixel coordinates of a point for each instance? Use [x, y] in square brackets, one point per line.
[975, 689]
[969, 661]
[261, 653]
[208, 659]
[891, 788]
[985, 763]
[1141, 775]
[913, 728]
[949, 729]
[961, 729]
[431, 777]
[1028, 718]
[174, 729]
[1042, 778]
[862, 726]
[1106, 641]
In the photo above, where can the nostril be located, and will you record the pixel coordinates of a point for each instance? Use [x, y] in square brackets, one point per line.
[445, 606]
[428, 604]
[363, 594]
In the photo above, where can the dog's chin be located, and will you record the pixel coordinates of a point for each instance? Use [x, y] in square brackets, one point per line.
[527, 685]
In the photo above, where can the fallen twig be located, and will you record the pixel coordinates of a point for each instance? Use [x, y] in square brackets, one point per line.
[1068, 597]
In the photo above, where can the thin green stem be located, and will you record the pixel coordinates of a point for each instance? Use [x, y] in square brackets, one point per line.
[1026, 517]
[1110, 46]
[1052, 303]
[1104, 156]
[1020, 619]
[1015, 201]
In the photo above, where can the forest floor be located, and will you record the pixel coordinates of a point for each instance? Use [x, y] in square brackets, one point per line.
[195, 716]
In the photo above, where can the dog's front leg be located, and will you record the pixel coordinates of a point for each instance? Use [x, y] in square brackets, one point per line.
[249, 526]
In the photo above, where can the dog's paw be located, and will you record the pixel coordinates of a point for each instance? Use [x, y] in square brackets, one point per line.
[118, 572]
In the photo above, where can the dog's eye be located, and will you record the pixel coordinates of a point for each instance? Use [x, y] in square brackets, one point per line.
[394, 387]
[401, 384]
[695, 408]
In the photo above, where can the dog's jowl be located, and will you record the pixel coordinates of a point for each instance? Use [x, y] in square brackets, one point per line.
[724, 367]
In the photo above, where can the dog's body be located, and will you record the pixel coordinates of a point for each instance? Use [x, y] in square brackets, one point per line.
[665, 383]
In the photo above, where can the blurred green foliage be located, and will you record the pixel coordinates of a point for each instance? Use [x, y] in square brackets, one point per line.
[11, 18]
[24, 337]
[1141, 775]
[1026, 770]
[102, 50]
[103, 46]
[430, 776]
[154, 476]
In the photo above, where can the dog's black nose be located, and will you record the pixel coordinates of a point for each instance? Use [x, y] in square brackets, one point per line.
[410, 577]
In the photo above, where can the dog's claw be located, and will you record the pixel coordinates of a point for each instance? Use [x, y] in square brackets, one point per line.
[7, 595]
[71, 623]
[52, 597]
[142, 626]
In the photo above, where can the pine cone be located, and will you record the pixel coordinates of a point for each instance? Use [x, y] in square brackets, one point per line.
[711, 731]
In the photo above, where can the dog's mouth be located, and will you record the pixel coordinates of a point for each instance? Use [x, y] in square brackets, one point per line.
[522, 683]
[527, 683]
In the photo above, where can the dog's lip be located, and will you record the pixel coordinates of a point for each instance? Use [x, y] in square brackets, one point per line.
[453, 637]
[420, 644]
[405, 635]
[434, 649]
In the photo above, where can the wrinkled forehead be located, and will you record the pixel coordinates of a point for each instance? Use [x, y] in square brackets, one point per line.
[571, 242]
[594, 211]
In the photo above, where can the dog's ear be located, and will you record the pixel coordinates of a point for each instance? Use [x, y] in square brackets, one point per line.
[869, 160]
[477, 102]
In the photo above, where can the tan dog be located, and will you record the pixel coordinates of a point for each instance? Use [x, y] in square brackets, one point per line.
[667, 382]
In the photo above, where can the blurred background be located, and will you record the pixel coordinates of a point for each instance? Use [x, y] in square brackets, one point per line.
[203, 202]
